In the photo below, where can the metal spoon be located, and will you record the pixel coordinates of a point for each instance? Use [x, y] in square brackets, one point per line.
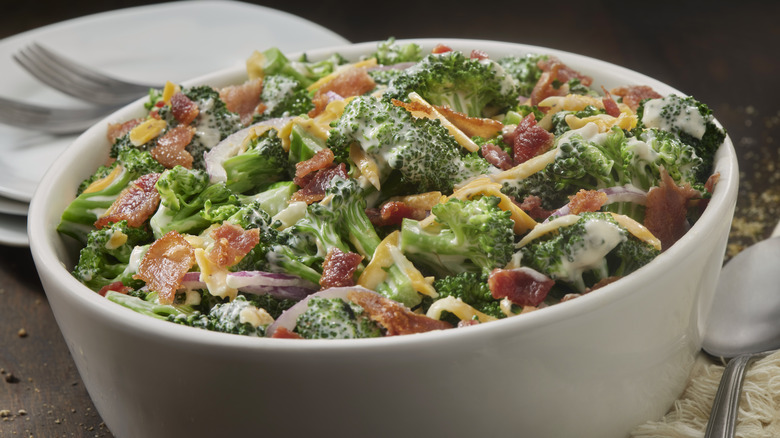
[744, 324]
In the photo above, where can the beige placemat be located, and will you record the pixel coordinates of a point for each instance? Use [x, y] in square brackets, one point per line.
[759, 406]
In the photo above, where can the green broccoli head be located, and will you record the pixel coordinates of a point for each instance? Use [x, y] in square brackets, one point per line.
[580, 254]
[391, 52]
[213, 124]
[690, 120]
[349, 202]
[108, 255]
[94, 199]
[231, 317]
[284, 96]
[524, 69]
[334, 318]
[468, 236]
[184, 193]
[476, 87]
[262, 163]
[472, 288]
[305, 72]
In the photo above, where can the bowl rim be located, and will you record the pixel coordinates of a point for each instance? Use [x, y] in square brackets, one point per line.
[42, 233]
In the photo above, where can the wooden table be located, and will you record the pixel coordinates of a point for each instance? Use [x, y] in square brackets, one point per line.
[726, 56]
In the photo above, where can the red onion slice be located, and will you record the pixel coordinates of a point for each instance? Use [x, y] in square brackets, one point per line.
[627, 193]
[278, 285]
[288, 319]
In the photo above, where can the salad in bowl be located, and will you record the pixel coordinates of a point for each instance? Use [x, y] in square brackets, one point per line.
[406, 191]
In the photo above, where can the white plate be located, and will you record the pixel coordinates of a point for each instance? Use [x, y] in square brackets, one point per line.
[13, 230]
[13, 207]
[168, 41]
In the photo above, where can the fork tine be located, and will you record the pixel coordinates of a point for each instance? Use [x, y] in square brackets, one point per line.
[49, 119]
[76, 79]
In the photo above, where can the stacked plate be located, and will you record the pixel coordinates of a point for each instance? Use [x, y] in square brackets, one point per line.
[163, 42]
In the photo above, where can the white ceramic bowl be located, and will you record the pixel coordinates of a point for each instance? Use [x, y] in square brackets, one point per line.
[591, 367]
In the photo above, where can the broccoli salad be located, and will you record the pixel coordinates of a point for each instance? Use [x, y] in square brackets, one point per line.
[403, 192]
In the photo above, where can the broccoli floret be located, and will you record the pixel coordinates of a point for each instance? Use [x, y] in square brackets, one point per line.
[478, 88]
[468, 236]
[524, 69]
[104, 187]
[213, 124]
[334, 318]
[227, 318]
[183, 194]
[263, 162]
[579, 255]
[107, 256]
[274, 62]
[421, 150]
[284, 96]
[690, 120]
[472, 288]
[559, 125]
[390, 52]
[349, 202]
[151, 307]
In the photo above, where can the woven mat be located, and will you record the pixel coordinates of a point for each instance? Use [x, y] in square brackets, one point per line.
[759, 406]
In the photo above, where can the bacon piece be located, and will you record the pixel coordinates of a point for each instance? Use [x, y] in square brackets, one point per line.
[471, 126]
[315, 189]
[164, 265]
[394, 212]
[522, 286]
[231, 244]
[285, 333]
[587, 200]
[351, 82]
[170, 149]
[304, 170]
[555, 74]
[183, 109]
[610, 106]
[116, 130]
[496, 156]
[135, 204]
[478, 54]
[601, 283]
[243, 99]
[633, 95]
[116, 286]
[528, 140]
[532, 205]
[441, 48]
[338, 268]
[394, 316]
[667, 208]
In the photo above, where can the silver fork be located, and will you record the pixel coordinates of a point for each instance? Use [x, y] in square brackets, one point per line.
[53, 120]
[77, 80]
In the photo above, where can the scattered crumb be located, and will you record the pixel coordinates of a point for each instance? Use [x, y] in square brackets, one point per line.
[10, 378]
[22, 333]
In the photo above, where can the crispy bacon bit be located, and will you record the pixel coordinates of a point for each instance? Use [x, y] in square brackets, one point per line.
[467, 322]
[712, 181]
[351, 82]
[315, 189]
[441, 48]
[394, 316]
[528, 140]
[243, 99]
[478, 54]
[338, 268]
[285, 333]
[554, 75]
[601, 283]
[667, 208]
[522, 286]
[610, 106]
[231, 244]
[164, 265]
[136, 203]
[471, 126]
[183, 109]
[496, 156]
[587, 200]
[116, 286]
[394, 212]
[633, 95]
[304, 170]
[116, 130]
[532, 205]
[170, 149]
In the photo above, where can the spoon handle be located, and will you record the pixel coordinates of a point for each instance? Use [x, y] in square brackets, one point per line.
[723, 417]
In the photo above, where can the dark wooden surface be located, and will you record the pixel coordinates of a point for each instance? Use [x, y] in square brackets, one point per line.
[725, 54]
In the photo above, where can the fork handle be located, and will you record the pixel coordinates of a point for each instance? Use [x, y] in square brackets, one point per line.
[723, 417]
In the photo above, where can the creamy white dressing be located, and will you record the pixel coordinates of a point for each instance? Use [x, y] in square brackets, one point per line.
[589, 132]
[688, 120]
[208, 135]
[600, 238]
